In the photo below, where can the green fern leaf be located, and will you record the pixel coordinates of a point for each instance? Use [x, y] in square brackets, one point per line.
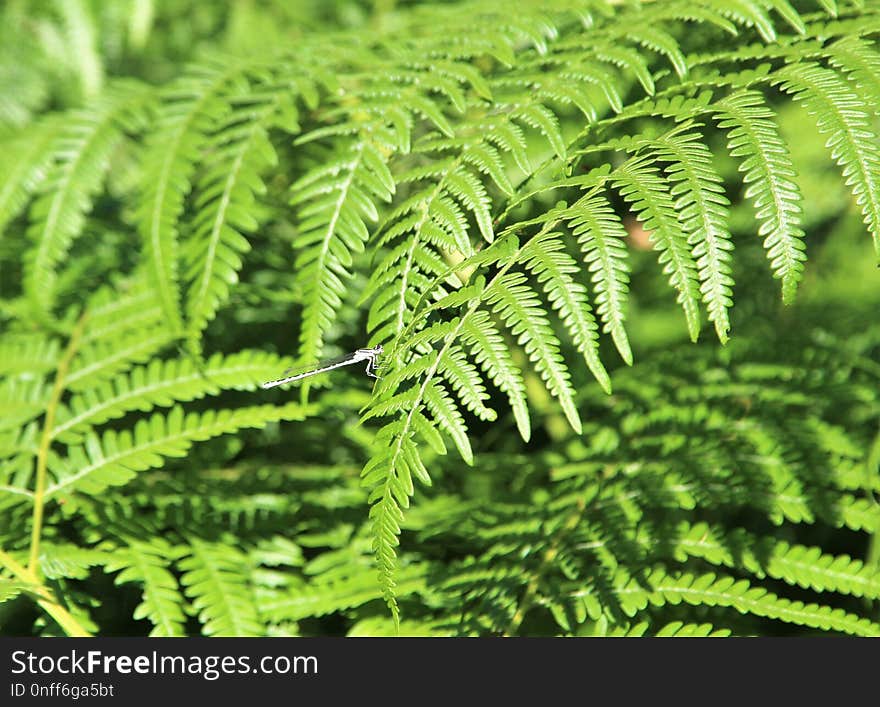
[70, 561]
[473, 195]
[447, 416]
[465, 380]
[25, 164]
[545, 257]
[601, 237]
[34, 353]
[641, 185]
[102, 360]
[518, 306]
[727, 591]
[680, 629]
[541, 118]
[389, 477]
[510, 138]
[336, 202]
[227, 190]
[326, 595]
[115, 458]
[839, 114]
[748, 14]
[770, 177]
[162, 383]
[856, 58]
[788, 13]
[186, 118]
[212, 579]
[806, 567]
[492, 355]
[10, 589]
[147, 563]
[81, 157]
[702, 208]
[662, 42]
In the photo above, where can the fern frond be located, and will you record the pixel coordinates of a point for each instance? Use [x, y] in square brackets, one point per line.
[341, 591]
[448, 418]
[470, 192]
[770, 178]
[465, 380]
[680, 629]
[22, 400]
[389, 476]
[473, 177]
[518, 306]
[702, 211]
[659, 40]
[129, 304]
[161, 384]
[545, 257]
[115, 458]
[641, 185]
[854, 143]
[124, 326]
[10, 589]
[856, 58]
[747, 14]
[493, 356]
[806, 567]
[335, 201]
[601, 237]
[186, 117]
[148, 563]
[25, 163]
[70, 561]
[34, 353]
[434, 213]
[215, 578]
[714, 590]
[541, 118]
[378, 627]
[103, 357]
[239, 151]
[81, 156]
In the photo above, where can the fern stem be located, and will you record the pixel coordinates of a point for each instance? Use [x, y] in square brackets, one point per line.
[311, 338]
[547, 561]
[46, 600]
[46, 441]
[450, 339]
[387, 494]
[410, 254]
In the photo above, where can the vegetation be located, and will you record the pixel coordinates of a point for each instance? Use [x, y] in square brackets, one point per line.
[621, 258]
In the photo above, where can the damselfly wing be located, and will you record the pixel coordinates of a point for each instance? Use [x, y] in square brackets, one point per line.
[369, 355]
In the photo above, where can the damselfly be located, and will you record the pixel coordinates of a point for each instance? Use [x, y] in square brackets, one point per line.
[368, 355]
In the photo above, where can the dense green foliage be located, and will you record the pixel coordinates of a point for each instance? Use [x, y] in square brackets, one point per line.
[196, 196]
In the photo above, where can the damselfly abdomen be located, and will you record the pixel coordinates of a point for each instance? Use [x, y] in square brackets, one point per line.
[368, 355]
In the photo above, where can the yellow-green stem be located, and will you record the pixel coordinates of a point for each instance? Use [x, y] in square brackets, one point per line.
[45, 599]
[46, 441]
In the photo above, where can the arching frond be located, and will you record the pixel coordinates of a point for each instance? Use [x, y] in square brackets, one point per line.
[148, 565]
[853, 142]
[210, 578]
[188, 113]
[80, 157]
[239, 152]
[770, 178]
